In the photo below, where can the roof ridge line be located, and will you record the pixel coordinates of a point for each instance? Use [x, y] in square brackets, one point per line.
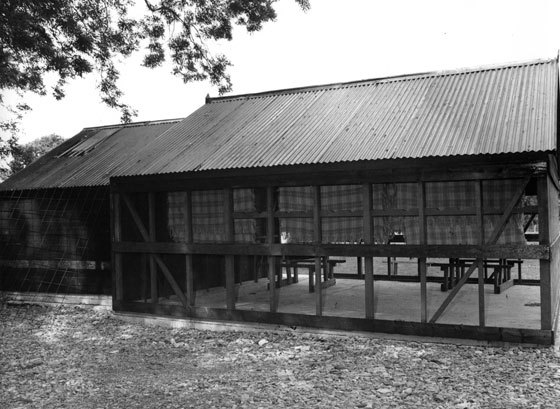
[371, 81]
[133, 124]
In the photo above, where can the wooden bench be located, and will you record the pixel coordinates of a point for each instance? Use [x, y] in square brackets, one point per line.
[501, 277]
[292, 265]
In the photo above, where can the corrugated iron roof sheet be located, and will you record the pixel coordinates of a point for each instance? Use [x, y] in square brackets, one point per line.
[89, 158]
[506, 109]
[494, 110]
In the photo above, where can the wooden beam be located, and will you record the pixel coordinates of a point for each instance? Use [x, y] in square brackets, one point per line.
[422, 265]
[145, 235]
[136, 218]
[117, 238]
[169, 277]
[230, 261]
[479, 211]
[467, 211]
[453, 293]
[526, 226]
[508, 211]
[152, 235]
[317, 238]
[481, 295]
[189, 238]
[480, 223]
[343, 250]
[367, 204]
[384, 171]
[270, 227]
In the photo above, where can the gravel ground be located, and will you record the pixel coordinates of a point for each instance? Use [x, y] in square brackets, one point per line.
[77, 357]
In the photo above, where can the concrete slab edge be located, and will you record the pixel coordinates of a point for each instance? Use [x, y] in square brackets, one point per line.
[51, 298]
[188, 323]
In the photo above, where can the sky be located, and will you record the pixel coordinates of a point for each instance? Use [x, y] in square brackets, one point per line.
[335, 41]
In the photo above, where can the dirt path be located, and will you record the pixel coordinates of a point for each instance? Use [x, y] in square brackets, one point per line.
[68, 357]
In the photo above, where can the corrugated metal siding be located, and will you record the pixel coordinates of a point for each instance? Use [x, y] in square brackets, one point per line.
[490, 111]
[57, 169]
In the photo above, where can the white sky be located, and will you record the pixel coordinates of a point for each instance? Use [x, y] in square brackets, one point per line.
[336, 41]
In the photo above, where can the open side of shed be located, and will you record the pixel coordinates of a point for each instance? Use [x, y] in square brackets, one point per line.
[214, 245]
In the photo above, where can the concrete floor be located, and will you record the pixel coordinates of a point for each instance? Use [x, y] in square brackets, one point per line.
[517, 307]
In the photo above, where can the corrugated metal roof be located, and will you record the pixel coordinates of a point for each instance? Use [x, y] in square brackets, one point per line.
[89, 158]
[505, 109]
[493, 110]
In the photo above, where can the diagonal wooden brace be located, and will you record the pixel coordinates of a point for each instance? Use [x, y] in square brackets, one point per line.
[453, 293]
[508, 211]
[145, 235]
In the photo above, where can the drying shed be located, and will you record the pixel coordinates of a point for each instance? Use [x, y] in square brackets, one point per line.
[423, 204]
[54, 214]
[396, 205]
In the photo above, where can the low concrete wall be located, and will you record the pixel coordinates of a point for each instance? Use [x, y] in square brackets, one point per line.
[49, 298]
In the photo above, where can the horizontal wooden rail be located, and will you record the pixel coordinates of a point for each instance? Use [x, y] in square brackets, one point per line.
[431, 211]
[541, 252]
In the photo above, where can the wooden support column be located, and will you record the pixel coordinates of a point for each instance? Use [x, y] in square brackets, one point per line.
[422, 265]
[117, 237]
[367, 203]
[230, 260]
[152, 236]
[543, 186]
[317, 237]
[189, 239]
[273, 291]
[480, 262]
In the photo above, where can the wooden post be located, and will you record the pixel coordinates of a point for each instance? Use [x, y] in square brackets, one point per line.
[367, 203]
[422, 265]
[544, 239]
[152, 235]
[317, 237]
[117, 237]
[189, 239]
[480, 261]
[273, 292]
[230, 260]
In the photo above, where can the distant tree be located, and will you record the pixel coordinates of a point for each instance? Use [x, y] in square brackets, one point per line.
[70, 38]
[23, 155]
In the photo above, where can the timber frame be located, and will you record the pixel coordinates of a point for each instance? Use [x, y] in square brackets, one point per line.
[532, 169]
